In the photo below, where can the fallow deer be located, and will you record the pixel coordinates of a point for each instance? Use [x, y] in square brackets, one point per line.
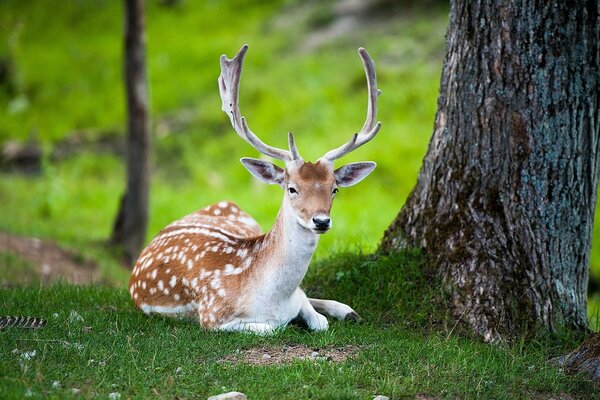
[217, 266]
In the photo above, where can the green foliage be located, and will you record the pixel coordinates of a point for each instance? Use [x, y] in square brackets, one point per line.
[96, 341]
[319, 94]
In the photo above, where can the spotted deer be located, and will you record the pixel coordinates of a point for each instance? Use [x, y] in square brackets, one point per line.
[216, 265]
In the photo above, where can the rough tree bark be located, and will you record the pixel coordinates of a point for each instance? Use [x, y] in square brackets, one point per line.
[130, 225]
[504, 202]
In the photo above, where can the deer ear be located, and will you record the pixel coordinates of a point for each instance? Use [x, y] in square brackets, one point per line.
[351, 174]
[264, 170]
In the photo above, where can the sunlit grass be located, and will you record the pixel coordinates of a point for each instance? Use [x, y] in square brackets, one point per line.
[320, 95]
[98, 343]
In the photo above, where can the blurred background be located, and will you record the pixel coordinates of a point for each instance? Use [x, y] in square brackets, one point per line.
[62, 117]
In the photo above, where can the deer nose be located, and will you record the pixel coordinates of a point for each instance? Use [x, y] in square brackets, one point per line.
[322, 222]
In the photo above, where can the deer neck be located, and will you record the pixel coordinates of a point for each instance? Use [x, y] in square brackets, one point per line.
[291, 249]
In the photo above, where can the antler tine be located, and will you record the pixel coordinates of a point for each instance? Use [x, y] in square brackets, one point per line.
[229, 86]
[369, 129]
[293, 148]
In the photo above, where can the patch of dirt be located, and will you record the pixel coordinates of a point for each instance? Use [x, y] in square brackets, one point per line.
[421, 396]
[49, 262]
[288, 354]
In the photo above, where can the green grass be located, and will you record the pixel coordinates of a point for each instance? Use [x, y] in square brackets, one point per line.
[96, 341]
[319, 94]
[67, 80]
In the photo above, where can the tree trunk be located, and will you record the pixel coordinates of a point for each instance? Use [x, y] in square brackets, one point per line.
[129, 229]
[585, 358]
[504, 202]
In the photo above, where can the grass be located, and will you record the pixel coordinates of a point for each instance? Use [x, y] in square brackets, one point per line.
[66, 82]
[79, 92]
[196, 157]
[97, 342]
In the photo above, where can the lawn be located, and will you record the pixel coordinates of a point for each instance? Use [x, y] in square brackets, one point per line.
[97, 343]
[64, 91]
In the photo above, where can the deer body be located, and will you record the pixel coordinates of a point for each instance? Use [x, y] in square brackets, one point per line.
[215, 265]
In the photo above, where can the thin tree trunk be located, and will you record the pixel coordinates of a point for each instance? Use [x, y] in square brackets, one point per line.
[504, 203]
[130, 225]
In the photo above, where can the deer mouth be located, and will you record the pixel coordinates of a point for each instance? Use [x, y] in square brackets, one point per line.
[319, 231]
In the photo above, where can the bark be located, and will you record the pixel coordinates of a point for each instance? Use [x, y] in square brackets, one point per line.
[129, 229]
[585, 358]
[504, 202]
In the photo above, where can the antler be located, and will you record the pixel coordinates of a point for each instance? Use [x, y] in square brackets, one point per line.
[369, 129]
[229, 86]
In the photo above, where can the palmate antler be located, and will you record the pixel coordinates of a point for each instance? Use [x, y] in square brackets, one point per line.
[229, 84]
[369, 129]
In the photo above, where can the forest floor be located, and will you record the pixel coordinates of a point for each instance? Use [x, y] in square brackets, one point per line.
[30, 260]
[96, 343]
[57, 219]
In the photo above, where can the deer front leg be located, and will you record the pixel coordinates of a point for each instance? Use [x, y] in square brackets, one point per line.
[259, 328]
[335, 309]
[314, 320]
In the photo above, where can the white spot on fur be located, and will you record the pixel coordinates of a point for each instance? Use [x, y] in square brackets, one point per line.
[231, 270]
[173, 281]
[160, 285]
[204, 274]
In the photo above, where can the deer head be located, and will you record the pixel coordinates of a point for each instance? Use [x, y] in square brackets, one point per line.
[309, 187]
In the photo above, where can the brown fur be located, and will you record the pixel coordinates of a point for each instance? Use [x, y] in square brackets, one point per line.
[171, 254]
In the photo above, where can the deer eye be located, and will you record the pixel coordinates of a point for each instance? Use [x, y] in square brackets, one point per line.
[291, 190]
[335, 190]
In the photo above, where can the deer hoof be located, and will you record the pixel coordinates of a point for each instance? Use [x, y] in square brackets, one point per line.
[353, 316]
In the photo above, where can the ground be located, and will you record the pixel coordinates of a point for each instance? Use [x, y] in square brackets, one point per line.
[31, 260]
[96, 343]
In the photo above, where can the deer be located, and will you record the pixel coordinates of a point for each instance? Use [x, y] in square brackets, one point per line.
[216, 265]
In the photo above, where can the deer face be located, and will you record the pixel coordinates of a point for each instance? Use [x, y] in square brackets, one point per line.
[310, 188]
